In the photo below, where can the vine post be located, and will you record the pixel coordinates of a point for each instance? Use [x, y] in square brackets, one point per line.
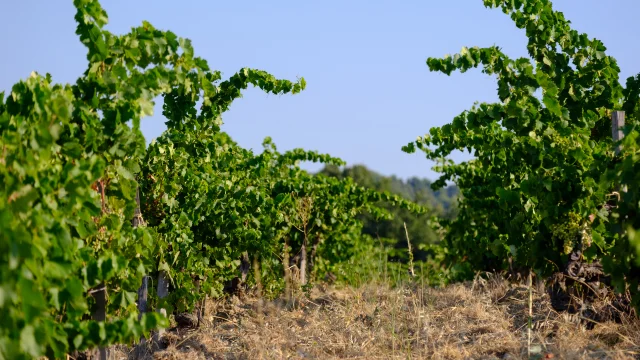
[304, 207]
[258, 278]
[617, 124]
[100, 314]
[100, 293]
[287, 271]
[245, 265]
[143, 291]
[163, 292]
[312, 256]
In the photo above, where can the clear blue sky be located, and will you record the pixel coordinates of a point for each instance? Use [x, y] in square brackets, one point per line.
[369, 91]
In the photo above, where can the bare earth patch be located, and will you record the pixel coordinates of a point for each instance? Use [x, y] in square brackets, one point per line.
[480, 320]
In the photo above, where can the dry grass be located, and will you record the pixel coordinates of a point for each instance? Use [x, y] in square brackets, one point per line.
[479, 320]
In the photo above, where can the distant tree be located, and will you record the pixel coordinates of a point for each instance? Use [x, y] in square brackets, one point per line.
[414, 189]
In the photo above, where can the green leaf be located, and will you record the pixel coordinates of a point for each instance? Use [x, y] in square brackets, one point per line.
[552, 104]
[28, 342]
[508, 195]
[598, 240]
[33, 303]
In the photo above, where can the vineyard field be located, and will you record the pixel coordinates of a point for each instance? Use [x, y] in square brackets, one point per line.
[193, 244]
[374, 321]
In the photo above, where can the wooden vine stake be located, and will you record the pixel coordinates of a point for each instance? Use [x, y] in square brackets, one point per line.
[163, 292]
[100, 293]
[530, 315]
[143, 291]
[617, 124]
[287, 271]
[100, 314]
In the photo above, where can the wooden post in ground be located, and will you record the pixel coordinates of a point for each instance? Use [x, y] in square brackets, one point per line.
[100, 293]
[163, 292]
[287, 271]
[143, 297]
[245, 265]
[200, 307]
[617, 124]
[100, 313]
[143, 291]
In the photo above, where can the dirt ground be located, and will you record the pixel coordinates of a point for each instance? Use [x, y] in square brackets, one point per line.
[484, 319]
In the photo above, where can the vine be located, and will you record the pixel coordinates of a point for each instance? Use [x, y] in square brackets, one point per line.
[536, 181]
[74, 163]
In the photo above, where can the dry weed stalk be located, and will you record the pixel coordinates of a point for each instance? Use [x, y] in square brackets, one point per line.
[412, 273]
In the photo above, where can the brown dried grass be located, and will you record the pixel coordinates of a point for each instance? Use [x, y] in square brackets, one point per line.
[484, 319]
